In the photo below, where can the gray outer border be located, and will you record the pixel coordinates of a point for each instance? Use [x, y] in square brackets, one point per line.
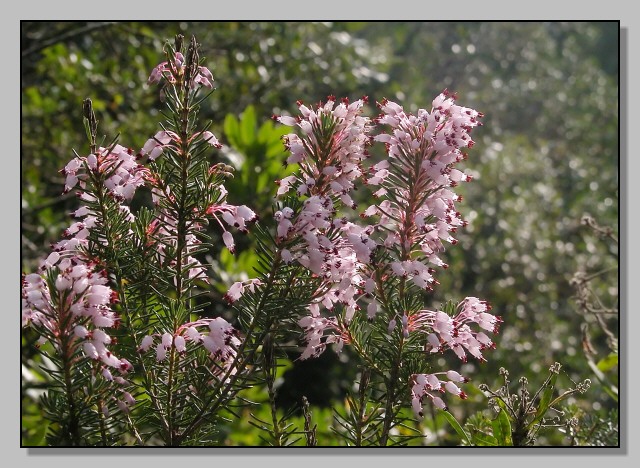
[328, 9]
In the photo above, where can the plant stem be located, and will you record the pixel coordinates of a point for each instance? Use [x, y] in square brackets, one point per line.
[103, 434]
[269, 369]
[67, 350]
[391, 388]
[414, 189]
[362, 405]
[171, 429]
[172, 438]
[237, 368]
[118, 277]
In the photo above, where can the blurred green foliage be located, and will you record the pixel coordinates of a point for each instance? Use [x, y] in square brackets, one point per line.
[548, 153]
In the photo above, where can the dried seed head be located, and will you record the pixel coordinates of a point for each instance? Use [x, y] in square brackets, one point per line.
[178, 42]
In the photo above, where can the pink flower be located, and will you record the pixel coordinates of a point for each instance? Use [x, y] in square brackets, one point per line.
[90, 350]
[228, 241]
[221, 341]
[211, 139]
[180, 344]
[372, 309]
[315, 328]
[284, 184]
[193, 334]
[167, 340]
[456, 332]
[154, 146]
[236, 216]
[161, 352]
[171, 71]
[107, 374]
[146, 343]
[235, 292]
[51, 260]
[237, 289]
[423, 386]
[78, 307]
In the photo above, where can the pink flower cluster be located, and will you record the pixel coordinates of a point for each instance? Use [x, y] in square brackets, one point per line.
[417, 210]
[71, 296]
[163, 229]
[155, 146]
[424, 385]
[455, 333]
[416, 216]
[77, 304]
[329, 154]
[238, 217]
[174, 69]
[315, 327]
[237, 289]
[235, 216]
[330, 151]
[123, 175]
[220, 339]
[115, 169]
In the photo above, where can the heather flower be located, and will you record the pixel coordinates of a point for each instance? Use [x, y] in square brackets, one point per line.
[73, 301]
[164, 139]
[126, 402]
[331, 149]
[237, 289]
[219, 337]
[329, 152]
[315, 328]
[425, 385]
[155, 146]
[456, 333]
[361, 283]
[117, 165]
[420, 215]
[163, 229]
[146, 343]
[174, 69]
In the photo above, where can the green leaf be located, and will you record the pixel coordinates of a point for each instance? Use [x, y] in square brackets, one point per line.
[87, 129]
[608, 363]
[449, 308]
[502, 429]
[248, 125]
[484, 440]
[231, 130]
[545, 400]
[457, 427]
[607, 386]
[265, 132]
